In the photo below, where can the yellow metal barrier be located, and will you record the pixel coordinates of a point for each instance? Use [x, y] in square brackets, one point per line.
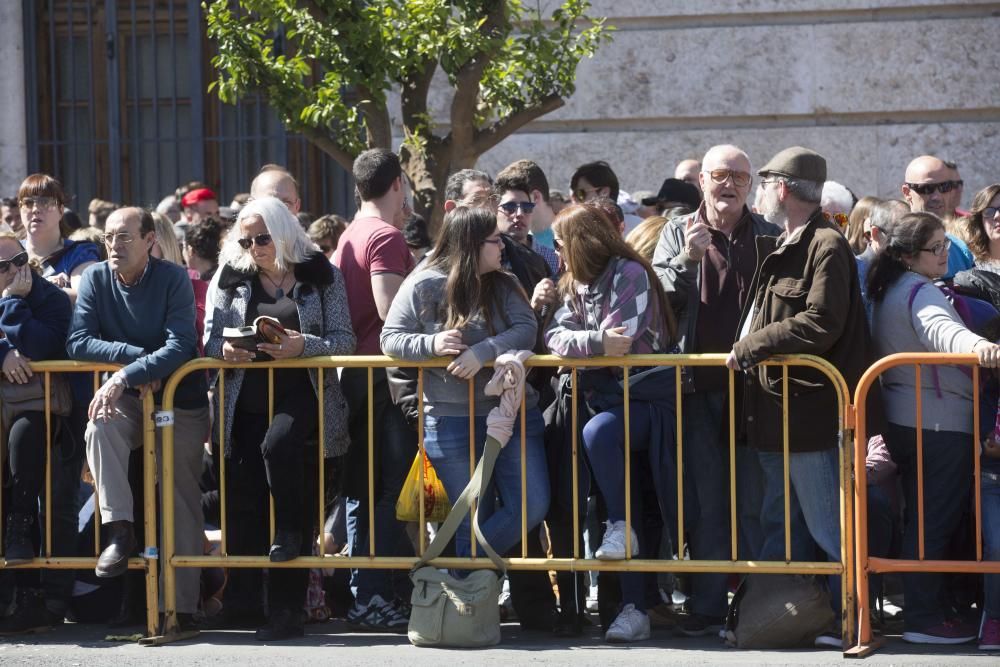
[49, 562]
[866, 564]
[844, 568]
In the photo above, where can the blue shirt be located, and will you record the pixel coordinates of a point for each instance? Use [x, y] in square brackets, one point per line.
[149, 326]
[959, 257]
[74, 254]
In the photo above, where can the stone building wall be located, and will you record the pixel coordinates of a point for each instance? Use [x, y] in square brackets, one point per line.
[867, 84]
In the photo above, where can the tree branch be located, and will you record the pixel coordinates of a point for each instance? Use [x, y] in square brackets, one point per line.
[467, 81]
[491, 136]
[413, 95]
[323, 141]
[378, 129]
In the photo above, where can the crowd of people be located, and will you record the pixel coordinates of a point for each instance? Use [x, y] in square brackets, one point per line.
[700, 266]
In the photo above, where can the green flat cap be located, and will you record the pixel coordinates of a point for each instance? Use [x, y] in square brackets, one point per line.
[797, 162]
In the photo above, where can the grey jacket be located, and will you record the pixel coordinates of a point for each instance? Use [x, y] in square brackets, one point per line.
[321, 301]
[414, 319]
[681, 276]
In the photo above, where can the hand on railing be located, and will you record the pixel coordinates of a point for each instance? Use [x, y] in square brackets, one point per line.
[153, 387]
[991, 447]
[616, 342]
[16, 367]
[465, 365]
[988, 353]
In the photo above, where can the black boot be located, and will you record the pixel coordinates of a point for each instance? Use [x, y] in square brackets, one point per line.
[18, 546]
[287, 545]
[282, 624]
[30, 615]
[121, 545]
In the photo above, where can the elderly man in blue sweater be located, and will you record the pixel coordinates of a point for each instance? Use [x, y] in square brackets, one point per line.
[139, 311]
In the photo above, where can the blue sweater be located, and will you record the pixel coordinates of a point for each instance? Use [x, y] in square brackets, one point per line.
[148, 327]
[35, 324]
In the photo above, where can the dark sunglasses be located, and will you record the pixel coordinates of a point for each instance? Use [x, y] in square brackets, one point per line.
[260, 239]
[928, 188]
[18, 260]
[510, 207]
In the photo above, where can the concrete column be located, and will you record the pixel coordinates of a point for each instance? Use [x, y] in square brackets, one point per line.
[13, 129]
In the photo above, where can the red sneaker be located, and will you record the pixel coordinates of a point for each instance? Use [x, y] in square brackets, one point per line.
[948, 632]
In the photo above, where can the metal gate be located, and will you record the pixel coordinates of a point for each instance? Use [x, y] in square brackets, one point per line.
[117, 108]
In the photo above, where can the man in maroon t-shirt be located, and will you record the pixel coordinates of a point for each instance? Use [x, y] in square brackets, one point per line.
[374, 258]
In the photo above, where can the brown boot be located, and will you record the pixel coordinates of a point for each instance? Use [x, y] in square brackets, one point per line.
[121, 545]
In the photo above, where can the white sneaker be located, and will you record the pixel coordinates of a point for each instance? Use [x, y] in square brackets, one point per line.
[592, 599]
[613, 546]
[631, 625]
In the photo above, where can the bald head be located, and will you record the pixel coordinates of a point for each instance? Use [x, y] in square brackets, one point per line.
[687, 171]
[277, 183]
[931, 185]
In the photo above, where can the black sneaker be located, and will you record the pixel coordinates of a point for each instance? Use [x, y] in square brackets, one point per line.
[29, 617]
[377, 616]
[696, 625]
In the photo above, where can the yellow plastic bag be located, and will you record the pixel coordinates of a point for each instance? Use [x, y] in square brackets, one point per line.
[436, 503]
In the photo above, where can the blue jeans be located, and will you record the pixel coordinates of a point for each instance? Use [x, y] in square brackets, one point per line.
[604, 443]
[991, 541]
[814, 508]
[705, 470]
[947, 481]
[446, 440]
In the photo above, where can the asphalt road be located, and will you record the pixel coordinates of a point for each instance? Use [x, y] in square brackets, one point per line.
[84, 646]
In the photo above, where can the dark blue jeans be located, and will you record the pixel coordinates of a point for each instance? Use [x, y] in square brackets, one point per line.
[705, 472]
[395, 445]
[446, 440]
[991, 540]
[947, 481]
[604, 443]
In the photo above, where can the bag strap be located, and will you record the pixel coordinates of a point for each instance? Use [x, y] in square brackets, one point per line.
[473, 490]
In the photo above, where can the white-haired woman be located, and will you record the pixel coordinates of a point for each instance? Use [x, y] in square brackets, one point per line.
[268, 266]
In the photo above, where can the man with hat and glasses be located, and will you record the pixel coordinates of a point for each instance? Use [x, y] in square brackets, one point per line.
[806, 299]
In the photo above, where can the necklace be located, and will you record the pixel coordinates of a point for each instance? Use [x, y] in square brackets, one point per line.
[279, 293]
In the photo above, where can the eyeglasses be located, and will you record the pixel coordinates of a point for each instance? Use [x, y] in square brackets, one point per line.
[741, 179]
[511, 207]
[580, 194]
[990, 212]
[938, 249]
[43, 203]
[765, 181]
[115, 239]
[929, 188]
[840, 218]
[496, 240]
[18, 260]
[260, 239]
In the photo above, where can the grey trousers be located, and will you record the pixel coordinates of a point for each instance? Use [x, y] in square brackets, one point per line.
[109, 444]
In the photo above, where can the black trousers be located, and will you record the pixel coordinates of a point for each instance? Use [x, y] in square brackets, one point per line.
[276, 459]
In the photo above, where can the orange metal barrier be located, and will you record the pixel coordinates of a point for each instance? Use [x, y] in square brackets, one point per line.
[844, 568]
[866, 564]
[149, 554]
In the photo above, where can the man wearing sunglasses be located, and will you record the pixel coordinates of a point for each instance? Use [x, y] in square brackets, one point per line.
[595, 180]
[705, 262]
[139, 312]
[934, 186]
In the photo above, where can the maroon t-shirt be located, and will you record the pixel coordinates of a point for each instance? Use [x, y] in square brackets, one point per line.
[726, 273]
[367, 247]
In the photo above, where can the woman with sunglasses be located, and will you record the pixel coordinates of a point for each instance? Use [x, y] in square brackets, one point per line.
[982, 228]
[34, 321]
[614, 305]
[269, 267]
[61, 260]
[463, 303]
[912, 315]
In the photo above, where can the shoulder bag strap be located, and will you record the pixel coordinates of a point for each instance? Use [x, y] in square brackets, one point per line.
[474, 489]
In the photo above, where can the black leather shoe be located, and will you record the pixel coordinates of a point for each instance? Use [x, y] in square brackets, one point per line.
[121, 545]
[18, 546]
[29, 617]
[287, 545]
[283, 624]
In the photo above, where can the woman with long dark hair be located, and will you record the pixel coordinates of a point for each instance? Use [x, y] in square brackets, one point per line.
[462, 303]
[614, 305]
[911, 314]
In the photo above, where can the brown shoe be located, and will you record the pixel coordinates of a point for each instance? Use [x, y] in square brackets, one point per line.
[121, 545]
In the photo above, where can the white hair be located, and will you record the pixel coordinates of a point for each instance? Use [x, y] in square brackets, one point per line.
[836, 194]
[725, 148]
[291, 244]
